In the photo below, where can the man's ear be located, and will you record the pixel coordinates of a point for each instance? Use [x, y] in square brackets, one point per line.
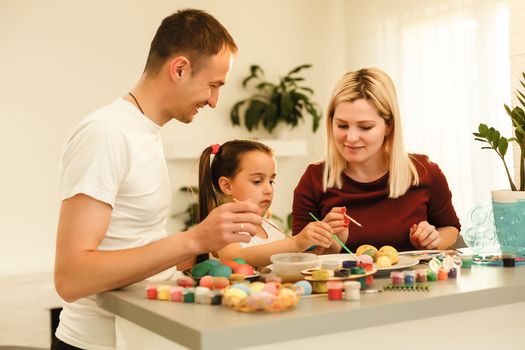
[225, 185]
[179, 66]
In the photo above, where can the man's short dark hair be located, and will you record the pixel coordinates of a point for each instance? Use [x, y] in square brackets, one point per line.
[192, 33]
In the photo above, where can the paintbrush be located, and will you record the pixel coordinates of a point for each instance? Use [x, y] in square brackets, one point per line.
[353, 220]
[276, 227]
[337, 239]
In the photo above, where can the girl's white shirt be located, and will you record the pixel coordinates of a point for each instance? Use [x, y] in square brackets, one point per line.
[273, 235]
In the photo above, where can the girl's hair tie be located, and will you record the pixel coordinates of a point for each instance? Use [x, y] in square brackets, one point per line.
[215, 148]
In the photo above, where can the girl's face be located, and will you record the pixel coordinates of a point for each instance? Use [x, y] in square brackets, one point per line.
[359, 132]
[254, 180]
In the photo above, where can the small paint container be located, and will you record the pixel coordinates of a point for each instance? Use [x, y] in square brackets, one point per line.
[362, 281]
[348, 264]
[201, 295]
[188, 295]
[409, 277]
[216, 298]
[322, 275]
[151, 291]
[342, 273]
[442, 275]
[431, 276]
[352, 290]
[319, 287]
[453, 273]
[397, 278]
[176, 293]
[335, 290]
[330, 265]
[358, 270]
[466, 261]
[163, 292]
[421, 276]
[303, 288]
[509, 260]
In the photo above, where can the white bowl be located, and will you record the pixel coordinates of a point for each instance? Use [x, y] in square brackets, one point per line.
[288, 266]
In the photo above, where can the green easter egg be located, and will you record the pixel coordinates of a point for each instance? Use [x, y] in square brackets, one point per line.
[221, 271]
[239, 260]
[212, 262]
[201, 269]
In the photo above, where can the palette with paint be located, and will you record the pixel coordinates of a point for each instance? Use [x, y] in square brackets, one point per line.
[308, 273]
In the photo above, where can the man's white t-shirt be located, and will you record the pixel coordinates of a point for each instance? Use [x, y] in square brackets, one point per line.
[115, 155]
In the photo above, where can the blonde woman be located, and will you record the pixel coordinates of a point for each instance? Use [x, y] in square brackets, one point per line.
[400, 199]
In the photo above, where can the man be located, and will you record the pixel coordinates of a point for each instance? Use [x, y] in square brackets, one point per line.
[115, 191]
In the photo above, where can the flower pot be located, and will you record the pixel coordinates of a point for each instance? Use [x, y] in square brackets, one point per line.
[509, 220]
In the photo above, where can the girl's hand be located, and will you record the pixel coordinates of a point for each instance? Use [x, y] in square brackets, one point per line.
[424, 236]
[315, 233]
[338, 222]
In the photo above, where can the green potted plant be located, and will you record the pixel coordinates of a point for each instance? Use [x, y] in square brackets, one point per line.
[509, 206]
[272, 103]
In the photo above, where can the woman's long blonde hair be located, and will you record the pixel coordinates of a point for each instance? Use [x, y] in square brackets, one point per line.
[377, 88]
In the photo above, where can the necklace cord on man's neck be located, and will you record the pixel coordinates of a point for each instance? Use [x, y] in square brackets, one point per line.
[137, 102]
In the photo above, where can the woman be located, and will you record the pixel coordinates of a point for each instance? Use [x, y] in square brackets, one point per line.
[401, 199]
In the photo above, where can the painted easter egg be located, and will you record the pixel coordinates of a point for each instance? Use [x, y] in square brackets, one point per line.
[240, 261]
[221, 270]
[243, 269]
[229, 263]
[201, 269]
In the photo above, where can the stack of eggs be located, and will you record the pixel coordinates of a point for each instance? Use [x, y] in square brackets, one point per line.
[268, 297]
[222, 268]
[386, 256]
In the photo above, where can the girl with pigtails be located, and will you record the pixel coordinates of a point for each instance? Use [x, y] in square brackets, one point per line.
[245, 170]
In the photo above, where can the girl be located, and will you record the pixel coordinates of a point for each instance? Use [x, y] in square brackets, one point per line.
[244, 170]
[402, 199]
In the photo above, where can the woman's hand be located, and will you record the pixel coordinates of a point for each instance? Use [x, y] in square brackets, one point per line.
[315, 233]
[338, 221]
[424, 236]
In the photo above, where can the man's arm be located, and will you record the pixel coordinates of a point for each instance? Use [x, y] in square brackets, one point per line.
[82, 270]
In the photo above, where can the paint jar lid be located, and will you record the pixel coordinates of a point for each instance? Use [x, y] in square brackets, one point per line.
[329, 265]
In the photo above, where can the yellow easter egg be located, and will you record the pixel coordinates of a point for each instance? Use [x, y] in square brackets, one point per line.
[391, 252]
[368, 250]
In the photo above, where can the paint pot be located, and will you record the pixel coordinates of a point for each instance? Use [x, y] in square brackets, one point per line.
[188, 295]
[330, 265]
[163, 292]
[335, 290]
[201, 295]
[453, 273]
[509, 259]
[409, 277]
[352, 290]
[176, 293]
[431, 276]
[348, 264]
[151, 291]
[421, 276]
[466, 261]
[397, 277]
[442, 275]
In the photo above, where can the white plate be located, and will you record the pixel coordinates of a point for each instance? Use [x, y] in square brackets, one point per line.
[404, 261]
[422, 254]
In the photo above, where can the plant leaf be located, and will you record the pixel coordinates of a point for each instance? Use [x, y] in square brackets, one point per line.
[298, 68]
[502, 146]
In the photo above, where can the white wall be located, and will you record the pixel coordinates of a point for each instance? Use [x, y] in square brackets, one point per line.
[61, 59]
[517, 61]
